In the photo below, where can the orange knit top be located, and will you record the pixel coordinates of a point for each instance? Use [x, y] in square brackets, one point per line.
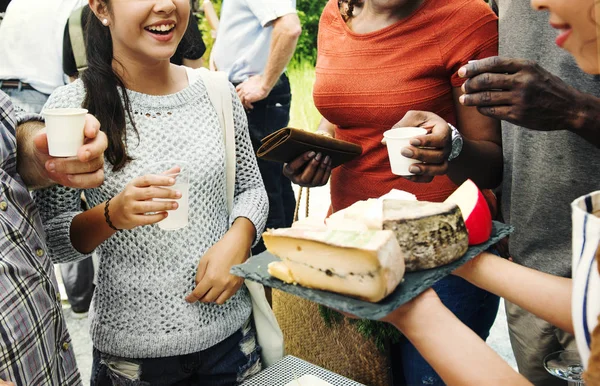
[365, 83]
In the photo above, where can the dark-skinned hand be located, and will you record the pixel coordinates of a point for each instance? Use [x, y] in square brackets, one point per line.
[309, 169]
[521, 92]
[432, 148]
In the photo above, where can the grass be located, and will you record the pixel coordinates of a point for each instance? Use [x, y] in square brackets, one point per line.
[303, 113]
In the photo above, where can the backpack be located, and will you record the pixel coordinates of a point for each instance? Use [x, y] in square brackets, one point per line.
[77, 39]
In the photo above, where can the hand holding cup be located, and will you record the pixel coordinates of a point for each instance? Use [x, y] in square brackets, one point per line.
[85, 168]
[425, 154]
[137, 204]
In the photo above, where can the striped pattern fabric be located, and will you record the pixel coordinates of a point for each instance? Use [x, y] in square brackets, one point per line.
[35, 348]
[586, 279]
[366, 83]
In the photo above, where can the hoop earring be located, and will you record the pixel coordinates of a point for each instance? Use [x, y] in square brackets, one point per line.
[105, 22]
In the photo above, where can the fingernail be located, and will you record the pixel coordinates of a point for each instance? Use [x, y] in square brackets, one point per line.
[174, 205]
[462, 72]
[51, 166]
[415, 142]
[414, 170]
[311, 154]
[327, 159]
[171, 181]
[177, 194]
[318, 157]
[87, 155]
[461, 99]
[407, 152]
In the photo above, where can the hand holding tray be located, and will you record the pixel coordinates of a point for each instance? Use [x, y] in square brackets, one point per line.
[288, 143]
[413, 284]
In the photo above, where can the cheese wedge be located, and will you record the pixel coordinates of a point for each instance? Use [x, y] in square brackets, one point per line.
[367, 265]
[430, 234]
[310, 223]
[367, 214]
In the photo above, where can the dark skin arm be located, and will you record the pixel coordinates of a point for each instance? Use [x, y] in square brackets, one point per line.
[312, 169]
[481, 155]
[523, 93]
[479, 160]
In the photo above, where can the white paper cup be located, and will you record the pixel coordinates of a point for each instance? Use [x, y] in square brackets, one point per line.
[396, 139]
[177, 218]
[64, 128]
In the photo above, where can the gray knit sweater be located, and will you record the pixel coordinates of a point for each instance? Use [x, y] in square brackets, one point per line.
[145, 273]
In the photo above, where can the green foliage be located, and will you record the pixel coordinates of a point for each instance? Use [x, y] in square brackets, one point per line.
[207, 33]
[303, 113]
[330, 316]
[309, 12]
[381, 333]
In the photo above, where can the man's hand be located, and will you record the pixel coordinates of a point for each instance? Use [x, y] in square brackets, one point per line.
[432, 148]
[252, 90]
[521, 92]
[38, 169]
[84, 171]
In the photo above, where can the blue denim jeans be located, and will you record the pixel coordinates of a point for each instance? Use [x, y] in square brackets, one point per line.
[268, 116]
[31, 101]
[475, 307]
[227, 363]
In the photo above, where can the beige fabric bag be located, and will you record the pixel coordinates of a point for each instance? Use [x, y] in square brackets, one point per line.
[269, 335]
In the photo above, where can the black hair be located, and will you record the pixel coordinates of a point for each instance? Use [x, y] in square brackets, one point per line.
[103, 98]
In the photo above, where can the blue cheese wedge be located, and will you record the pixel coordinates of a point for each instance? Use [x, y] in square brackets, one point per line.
[367, 265]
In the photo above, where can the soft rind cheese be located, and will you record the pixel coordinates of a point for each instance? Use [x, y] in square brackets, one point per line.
[429, 234]
[367, 265]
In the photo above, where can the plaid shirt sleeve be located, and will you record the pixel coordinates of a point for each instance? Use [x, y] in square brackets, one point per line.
[35, 348]
[8, 144]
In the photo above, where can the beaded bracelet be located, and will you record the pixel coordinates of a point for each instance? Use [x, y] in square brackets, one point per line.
[107, 216]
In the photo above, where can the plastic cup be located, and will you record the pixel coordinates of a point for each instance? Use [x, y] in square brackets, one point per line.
[396, 139]
[64, 128]
[177, 218]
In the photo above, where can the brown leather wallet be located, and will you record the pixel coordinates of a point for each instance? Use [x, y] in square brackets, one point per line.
[288, 143]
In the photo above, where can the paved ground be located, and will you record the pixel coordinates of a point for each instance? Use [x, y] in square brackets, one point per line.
[319, 203]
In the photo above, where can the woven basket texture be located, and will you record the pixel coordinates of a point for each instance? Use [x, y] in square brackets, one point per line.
[339, 348]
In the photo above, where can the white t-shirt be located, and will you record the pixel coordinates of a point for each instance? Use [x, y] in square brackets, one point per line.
[31, 41]
[586, 280]
[244, 36]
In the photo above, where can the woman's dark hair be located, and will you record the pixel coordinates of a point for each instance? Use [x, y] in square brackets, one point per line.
[351, 5]
[103, 99]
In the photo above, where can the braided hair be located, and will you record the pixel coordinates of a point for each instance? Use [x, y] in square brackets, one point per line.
[347, 7]
[351, 4]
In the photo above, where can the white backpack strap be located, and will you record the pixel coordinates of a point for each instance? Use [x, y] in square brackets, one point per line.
[217, 86]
